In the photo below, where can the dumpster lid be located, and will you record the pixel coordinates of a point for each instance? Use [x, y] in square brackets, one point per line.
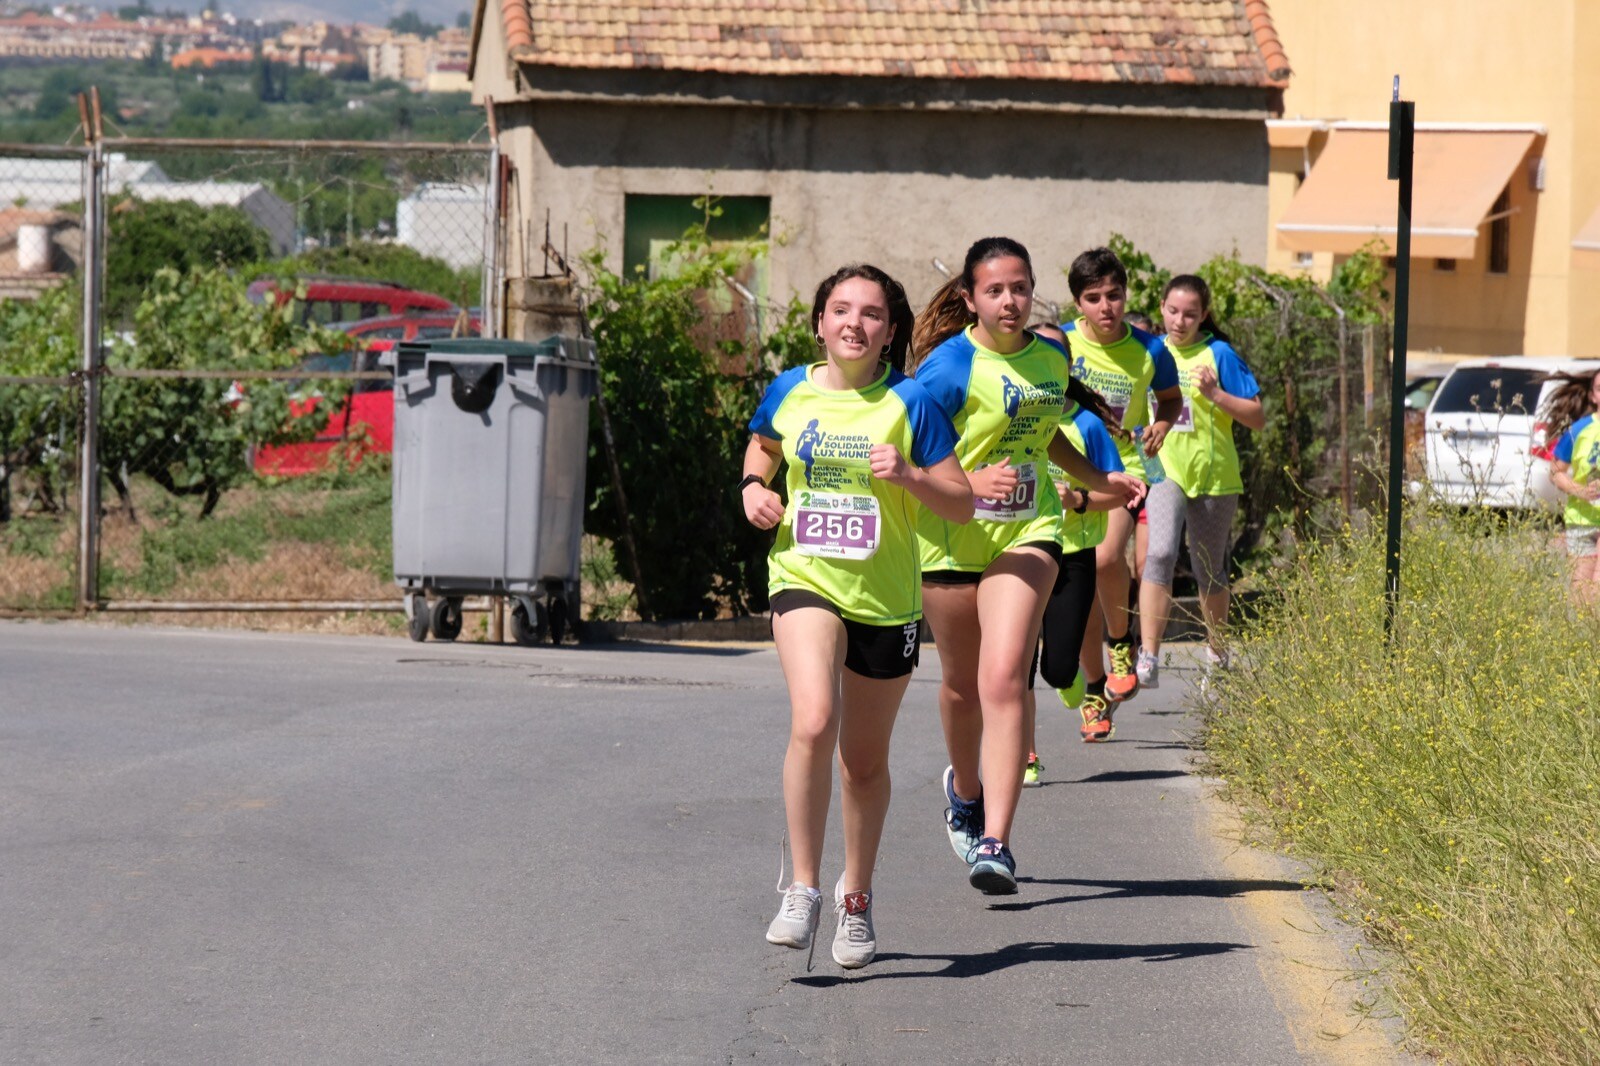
[493, 346]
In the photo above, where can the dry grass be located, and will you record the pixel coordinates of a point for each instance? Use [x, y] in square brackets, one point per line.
[1446, 785]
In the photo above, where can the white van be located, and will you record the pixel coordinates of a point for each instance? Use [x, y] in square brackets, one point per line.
[1482, 432]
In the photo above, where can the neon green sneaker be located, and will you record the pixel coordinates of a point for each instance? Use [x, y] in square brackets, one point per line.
[1030, 776]
[1072, 695]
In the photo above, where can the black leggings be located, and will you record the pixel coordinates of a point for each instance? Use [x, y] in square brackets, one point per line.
[1066, 616]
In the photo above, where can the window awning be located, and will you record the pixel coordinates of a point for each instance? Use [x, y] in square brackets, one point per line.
[1347, 199]
[1586, 245]
[1293, 133]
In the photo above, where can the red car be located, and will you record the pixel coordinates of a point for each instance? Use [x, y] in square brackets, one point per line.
[347, 299]
[363, 425]
[410, 327]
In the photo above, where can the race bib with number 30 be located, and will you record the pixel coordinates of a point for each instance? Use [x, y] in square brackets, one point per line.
[1021, 505]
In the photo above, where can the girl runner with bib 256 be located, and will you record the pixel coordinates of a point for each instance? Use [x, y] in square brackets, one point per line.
[985, 583]
[866, 451]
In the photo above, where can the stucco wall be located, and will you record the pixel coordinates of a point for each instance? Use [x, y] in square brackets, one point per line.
[1472, 61]
[899, 188]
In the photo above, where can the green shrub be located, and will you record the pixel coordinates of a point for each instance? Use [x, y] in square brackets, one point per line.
[680, 408]
[1447, 789]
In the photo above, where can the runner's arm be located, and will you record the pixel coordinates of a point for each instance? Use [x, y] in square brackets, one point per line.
[1169, 405]
[1126, 488]
[942, 488]
[762, 457]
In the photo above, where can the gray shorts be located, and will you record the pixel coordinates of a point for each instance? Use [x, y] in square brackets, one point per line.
[1210, 521]
[1582, 540]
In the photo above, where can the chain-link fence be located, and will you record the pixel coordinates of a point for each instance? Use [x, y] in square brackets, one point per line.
[1322, 455]
[41, 400]
[240, 296]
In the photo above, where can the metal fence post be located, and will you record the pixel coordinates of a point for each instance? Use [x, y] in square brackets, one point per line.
[89, 441]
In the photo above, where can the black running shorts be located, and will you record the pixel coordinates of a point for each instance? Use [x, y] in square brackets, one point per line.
[879, 652]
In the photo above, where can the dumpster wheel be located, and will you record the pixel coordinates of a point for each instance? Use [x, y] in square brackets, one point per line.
[417, 617]
[558, 619]
[445, 618]
[528, 622]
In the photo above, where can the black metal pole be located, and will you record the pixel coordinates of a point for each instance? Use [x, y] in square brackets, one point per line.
[1402, 138]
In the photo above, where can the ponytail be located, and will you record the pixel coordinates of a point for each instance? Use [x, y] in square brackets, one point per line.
[945, 316]
[1567, 402]
[1094, 403]
[1209, 325]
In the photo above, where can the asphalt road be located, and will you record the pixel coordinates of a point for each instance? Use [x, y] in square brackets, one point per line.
[219, 847]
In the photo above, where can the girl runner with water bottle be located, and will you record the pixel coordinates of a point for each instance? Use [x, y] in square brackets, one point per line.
[867, 451]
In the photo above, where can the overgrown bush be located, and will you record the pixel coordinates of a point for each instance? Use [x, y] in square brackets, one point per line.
[680, 409]
[39, 423]
[1447, 787]
[193, 435]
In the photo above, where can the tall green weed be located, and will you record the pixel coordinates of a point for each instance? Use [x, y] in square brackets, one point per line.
[1448, 789]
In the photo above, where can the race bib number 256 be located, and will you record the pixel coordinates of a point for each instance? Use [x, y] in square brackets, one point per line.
[840, 525]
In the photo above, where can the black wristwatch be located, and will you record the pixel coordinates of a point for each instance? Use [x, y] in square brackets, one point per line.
[1083, 502]
[750, 479]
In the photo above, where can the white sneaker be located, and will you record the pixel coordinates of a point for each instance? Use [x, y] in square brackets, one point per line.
[854, 942]
[1212, 664]
[1148, 669]
[797, 918]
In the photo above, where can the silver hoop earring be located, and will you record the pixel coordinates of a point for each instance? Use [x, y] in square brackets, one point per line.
[885, 350]
[820, 342]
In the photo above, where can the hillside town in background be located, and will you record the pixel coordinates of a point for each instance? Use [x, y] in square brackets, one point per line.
[423, 58]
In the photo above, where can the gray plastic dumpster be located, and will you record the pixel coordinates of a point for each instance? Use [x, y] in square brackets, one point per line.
[490, 441]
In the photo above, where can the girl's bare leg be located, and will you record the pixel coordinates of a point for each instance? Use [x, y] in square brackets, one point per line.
[811, 645]
[870, 706]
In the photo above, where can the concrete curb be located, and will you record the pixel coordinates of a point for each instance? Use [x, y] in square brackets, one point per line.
[1185, 624]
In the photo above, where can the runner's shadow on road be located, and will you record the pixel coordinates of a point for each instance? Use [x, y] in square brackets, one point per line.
[1205, 888]
[1128, 775]
[979, 964]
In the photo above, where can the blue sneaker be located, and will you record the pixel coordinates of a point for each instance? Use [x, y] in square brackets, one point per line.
[994, 871]
[963, 819]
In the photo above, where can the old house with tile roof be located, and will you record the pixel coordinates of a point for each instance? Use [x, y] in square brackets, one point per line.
[895, 131]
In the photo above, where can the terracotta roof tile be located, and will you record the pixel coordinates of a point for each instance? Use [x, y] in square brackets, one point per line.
[1205, 42]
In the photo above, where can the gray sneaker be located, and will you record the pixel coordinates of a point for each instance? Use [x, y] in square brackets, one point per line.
[797, 918]
[1148, 669]
[963, 819]
[854, 942]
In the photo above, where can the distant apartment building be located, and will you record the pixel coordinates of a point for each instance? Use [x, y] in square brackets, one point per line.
[46, 38]
[399, 57]
[209, 57]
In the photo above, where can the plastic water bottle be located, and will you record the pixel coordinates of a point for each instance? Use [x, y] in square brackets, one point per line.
[1154, 472]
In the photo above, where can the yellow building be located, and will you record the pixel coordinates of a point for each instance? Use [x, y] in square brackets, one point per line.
[1506, 210]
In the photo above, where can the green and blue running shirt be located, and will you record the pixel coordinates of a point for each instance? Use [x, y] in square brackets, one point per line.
[1003, 407]
[846, 535]
[1199, 453]
[1087, 433]
[1123, 372]
[1579, 448]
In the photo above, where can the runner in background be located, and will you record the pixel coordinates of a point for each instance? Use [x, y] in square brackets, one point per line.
[1203, 481]
[866, 452]
[1575, 470]
[985, 584]
[1124, 364]
[1066, 616]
